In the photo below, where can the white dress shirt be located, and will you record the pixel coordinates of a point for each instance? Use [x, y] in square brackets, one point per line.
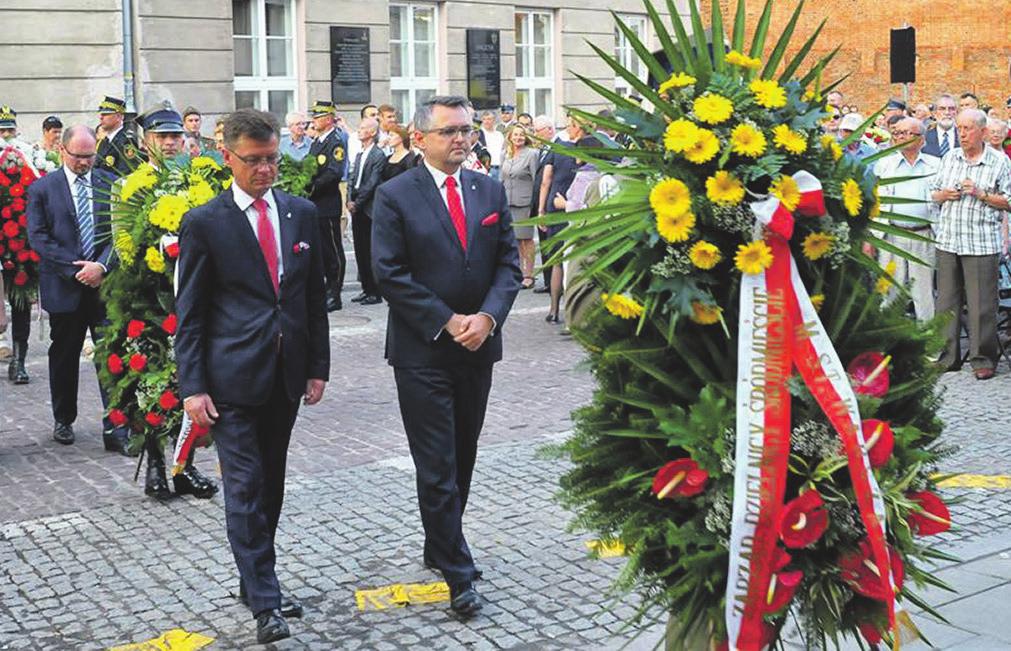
[361, 163]
[245, 203]
[896, 165]
[494, 142]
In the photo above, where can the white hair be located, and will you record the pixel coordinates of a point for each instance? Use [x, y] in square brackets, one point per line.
[543, 121]
[293, 117]
[994, 123]
[976, 115]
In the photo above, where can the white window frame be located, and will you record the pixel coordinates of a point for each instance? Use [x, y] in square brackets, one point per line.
[624, 53]
[263, 83]
[412, 84]
[532, 84]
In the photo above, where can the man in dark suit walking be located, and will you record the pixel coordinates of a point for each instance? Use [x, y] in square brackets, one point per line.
[445, 258]
[252, 339]
[365, 178]
[330, 153]
[68, 225]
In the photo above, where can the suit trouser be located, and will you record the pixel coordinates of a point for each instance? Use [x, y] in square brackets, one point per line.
[975, 276]
[919, 277]
[252, 444]
[443, 411]
[361, 228]
[21, 316]
[334, 260]
[66, 334]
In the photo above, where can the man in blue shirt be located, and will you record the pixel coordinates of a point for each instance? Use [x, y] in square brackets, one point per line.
[295, 144]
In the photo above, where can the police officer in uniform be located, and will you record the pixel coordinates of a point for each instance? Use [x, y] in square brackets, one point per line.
[330, 153]
[21, 315]
[117, 148]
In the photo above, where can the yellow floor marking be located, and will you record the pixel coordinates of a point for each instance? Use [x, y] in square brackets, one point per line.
[606, 548]
[399, 595]
[976, 481]
[175, 640]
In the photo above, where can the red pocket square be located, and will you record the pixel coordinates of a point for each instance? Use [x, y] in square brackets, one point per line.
[490, 219]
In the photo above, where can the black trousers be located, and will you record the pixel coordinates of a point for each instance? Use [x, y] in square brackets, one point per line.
[361, 228]
[21, 317]
[66, 334]
[334, 260]
[252, 444]
[443, 411]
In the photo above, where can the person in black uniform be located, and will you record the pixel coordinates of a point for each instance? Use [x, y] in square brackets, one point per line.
[117, 148]
[329, 151]
[21, 313]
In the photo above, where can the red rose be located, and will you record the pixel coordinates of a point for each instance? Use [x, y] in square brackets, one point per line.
[11, 229]
[20, 278]
[6, 212]
[138, 362]
[117, 418]
[168, 400]
[169, 324]
[35, 256]
[680, 478]
[862, 573]
[115, 364]
[15, 245]
[18, 204]
[803, 520]
[27, 177]
[17, 190]
[23, 220]
[153, 419]
[935, 517]
[172, 250]
[879, 440]
[870, 374]
[4, 180]
[134, 329]
[23, 256]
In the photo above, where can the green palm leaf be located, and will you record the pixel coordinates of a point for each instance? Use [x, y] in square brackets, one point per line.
[641, 50]
[683, 41]
[885, 245]
[717, 30]
[802, 53]
[819, 67]
[674, 57]
[761, 31]
[620, 102]
[782, 43]
[898, 231]
[705, 62]
[645, 91]
[740, 22]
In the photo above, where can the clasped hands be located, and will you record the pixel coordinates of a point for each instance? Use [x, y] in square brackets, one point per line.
[469, 330]
[90, 273]
[966, 188]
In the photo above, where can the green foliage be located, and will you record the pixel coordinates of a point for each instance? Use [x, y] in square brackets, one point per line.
[295, 177]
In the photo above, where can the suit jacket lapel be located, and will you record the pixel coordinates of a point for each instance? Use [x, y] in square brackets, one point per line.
[287, 227]
[470, 207]
[240, 224]
[426, 185]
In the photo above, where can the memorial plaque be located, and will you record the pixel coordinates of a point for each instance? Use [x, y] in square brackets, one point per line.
[484, 78]
[350, 69]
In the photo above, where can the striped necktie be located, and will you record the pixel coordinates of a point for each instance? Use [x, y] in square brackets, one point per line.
[85, 220]
[944, 144]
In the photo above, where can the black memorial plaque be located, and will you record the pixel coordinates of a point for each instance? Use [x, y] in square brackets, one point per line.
[484, 78]
[350, 70]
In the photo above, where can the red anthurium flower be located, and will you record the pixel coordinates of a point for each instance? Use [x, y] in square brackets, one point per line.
[169, 324]
[870, 373]
[680, 478]
[11, 229]
[17, 190]
[172, 250]
[138, 362]
[153, 419]
[117, 418]
[861, 572]
[134, 328]
[168, 400]
[870, 632]
[115, 364]
[803, 520]
[20, 278]
[783, 584]
[935, 517]
[879, 440]
[768, 632]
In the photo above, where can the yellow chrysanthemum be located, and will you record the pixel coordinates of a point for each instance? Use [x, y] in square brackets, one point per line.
[817, 300]
[704, 255]
[746, 140]
[201, 162]
[125, 246]
[768, 93]
[680, 135]
[228, 183]
[704, 313]
[830, 144]
[675, 228]
[622, 306]
[816, 245]
[200, 193]
[789, 140]
[753, 257]
[168, 211]
[154, 259]
[884, 282]
[735, 58]
[142, 177]
[724, 189]
[787, 191]
[712, 108]
[677, 80]
[853, 199]
[811, 95]
[704, 149]
[670, 197]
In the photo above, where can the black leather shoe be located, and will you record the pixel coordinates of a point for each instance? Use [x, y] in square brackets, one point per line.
[333, 304]
[361, 297]
[372, 300]
[430, 564]
[191, 481]
[63, 434]
[464, 600]
[271, 627]
[290, 607]
[16, 371]
[155, 483]
[542, 290]
[116, 441]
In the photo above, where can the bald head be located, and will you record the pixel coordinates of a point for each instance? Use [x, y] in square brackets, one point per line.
[78, 148]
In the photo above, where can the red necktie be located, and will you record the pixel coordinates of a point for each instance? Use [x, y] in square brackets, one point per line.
[268, 243]
[456, 211]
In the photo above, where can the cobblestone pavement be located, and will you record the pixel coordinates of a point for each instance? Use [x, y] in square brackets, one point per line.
[86, 562]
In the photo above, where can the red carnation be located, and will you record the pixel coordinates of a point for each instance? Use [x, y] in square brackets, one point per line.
[870, 373]
[23, 221]
[23, 256]
[117, 418]
[169, 324]
[115, 364]
[11, 229]
[803, 520]
[680, 478]
[153, 419]
[17, 190]
[138, 362]
[134, 329]
[20, 278]
[6, 212]
[27, 176]
[168, 400]
[172, 250]
[15, 245]
[862, 573]
[935, 517]
[879, 440]
[35, 256]
[18, 204]
[5, 180]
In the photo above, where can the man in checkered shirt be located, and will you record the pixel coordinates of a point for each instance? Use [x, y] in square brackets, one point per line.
[971, 189]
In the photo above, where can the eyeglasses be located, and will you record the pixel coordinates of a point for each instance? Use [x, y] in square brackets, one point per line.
[80, 156]
[947, 109]
[452, 132]
[256, 161]
[906, 134]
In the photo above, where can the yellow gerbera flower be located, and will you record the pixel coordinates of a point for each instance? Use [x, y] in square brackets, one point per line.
[205, 161]
[675, 228]
[154, 259]
[830, 144]
[753, 257]
[704, 313]
[746, 140]
[680, 135]
[712, 108]
[168, 211]
[885, 282]
[787, 191]
[125, 246]
[817, 300]
[704, 149]
[622, 306]
[852, 197]
[670, 197]
[724, 189]
[786, 138]
[200, 193]
[816, 245]
[735, 58]
[704, 255]
[768, 93]
[142, 177]
[677, 80]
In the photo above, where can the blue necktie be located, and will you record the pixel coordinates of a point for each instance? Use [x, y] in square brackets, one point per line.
[944, 144]
[85, 222]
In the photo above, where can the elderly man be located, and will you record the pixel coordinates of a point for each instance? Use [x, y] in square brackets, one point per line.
[294, 144]
[858, 148]
[972, 188]
[920, 168]
[996, 132]
[835, 99]
[943, 137]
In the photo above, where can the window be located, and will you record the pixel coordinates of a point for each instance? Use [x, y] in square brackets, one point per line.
[263, 42]
[626, 56]
[535, 75]
[413, 75]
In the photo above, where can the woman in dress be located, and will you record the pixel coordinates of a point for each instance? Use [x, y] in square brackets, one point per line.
[402, 158]
[519, 167]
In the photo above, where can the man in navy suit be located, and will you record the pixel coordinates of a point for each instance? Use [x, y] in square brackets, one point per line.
[252, 339]
[68, 225]
[445, 258]
[943, 137]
